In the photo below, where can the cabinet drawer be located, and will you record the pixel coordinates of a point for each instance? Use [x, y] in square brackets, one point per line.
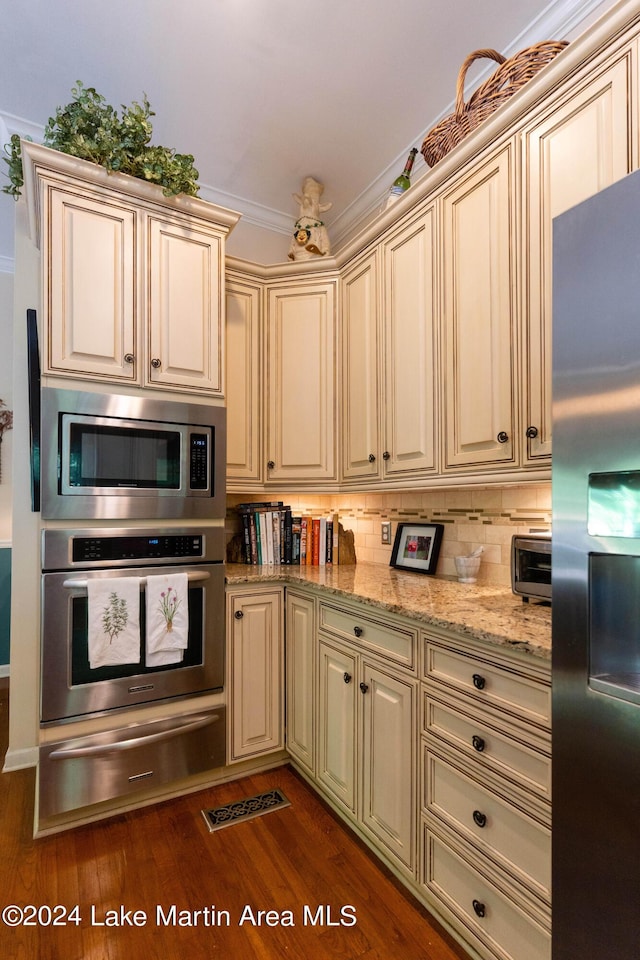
[488, 682]
[521, 844]
[391, 641]
[511, 752]
[510, 930]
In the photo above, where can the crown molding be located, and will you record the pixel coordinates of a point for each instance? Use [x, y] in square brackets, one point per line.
[558, 20]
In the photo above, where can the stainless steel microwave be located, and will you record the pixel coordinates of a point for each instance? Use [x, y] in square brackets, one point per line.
[531, 566]
[109, 457]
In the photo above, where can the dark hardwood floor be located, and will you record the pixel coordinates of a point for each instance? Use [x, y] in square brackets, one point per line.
[199, 893]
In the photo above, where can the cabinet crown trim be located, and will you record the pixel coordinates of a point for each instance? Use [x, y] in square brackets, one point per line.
[43, 162]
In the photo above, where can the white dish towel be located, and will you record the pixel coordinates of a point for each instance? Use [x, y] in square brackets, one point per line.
[114, 621]
[167, 618]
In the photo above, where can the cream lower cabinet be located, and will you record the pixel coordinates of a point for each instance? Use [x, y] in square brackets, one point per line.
[255, 671]
[579, 144]
[132, 282]
[486, 795]
[366, 736]
[301, 671]
[300, 386]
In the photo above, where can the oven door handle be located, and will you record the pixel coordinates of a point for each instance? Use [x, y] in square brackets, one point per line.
[82, 584]
[102, 749]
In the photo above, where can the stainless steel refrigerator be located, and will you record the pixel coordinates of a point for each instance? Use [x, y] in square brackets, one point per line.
[596, 577]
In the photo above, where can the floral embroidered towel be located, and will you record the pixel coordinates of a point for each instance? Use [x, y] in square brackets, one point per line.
[167, 618]
[114, 621]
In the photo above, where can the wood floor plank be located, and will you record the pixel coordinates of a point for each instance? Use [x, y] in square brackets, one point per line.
[202, 892]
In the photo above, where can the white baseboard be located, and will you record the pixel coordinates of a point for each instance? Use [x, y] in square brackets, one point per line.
[4, 670]
[20, 759]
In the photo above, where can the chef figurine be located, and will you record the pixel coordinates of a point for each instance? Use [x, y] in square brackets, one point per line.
[310, 236]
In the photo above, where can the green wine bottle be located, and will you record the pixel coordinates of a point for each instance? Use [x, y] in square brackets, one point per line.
[403, 182]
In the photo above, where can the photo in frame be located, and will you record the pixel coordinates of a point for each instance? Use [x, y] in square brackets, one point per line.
[417, 547]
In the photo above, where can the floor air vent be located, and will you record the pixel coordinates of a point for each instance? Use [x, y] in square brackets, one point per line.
[245, 809]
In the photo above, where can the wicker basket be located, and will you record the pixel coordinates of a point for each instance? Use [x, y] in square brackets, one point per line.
[507, 79]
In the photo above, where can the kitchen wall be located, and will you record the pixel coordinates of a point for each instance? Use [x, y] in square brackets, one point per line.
[472, 517]
[6, 394]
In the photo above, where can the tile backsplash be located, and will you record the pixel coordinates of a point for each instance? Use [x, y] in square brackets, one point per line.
[472, 517]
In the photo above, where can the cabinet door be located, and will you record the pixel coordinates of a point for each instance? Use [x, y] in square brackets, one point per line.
[360, 391]
[410, 323]
[480, 310]
[185, 308]
[244, 382]
[301, 348]
[337, 724]
[570, 153]
[89, 256]
[255, 661]
[301, 676]
[389, 762]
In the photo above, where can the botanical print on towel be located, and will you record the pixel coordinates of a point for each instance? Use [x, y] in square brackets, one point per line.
[169, 603]
[113, 621]
[167, 629]
[115, 615]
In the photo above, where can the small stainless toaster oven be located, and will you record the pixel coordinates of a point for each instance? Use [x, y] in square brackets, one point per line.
[531, 566]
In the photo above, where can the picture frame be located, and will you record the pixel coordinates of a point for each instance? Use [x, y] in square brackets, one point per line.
[417, 547]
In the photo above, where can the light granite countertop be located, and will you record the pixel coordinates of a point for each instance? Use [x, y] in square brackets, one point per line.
[476, 610]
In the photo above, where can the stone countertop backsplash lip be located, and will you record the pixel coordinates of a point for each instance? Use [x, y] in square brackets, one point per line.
[477, 610]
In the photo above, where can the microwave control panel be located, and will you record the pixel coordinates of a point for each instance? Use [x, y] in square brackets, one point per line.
[198, 461]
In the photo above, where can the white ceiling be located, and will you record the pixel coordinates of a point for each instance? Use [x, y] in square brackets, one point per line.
[265, 92]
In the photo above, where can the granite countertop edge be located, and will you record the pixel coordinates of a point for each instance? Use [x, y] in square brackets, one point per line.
[479, 611]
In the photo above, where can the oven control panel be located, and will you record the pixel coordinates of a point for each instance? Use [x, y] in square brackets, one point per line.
[109, 549]
[93, 547]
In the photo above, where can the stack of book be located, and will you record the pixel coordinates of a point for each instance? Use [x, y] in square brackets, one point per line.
[271, 534]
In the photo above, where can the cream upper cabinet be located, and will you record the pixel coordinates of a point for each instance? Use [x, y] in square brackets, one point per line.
[480, 311]
[92, 301]
[185, 309]
[361, 454]
[244, 382]
[132, 282]
[580, 144]
[409, 339]
[300, 382]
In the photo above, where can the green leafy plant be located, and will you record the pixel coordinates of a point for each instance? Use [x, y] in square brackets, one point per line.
[89, 128]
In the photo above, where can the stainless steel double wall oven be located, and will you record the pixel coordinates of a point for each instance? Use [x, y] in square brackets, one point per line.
[130, 488]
